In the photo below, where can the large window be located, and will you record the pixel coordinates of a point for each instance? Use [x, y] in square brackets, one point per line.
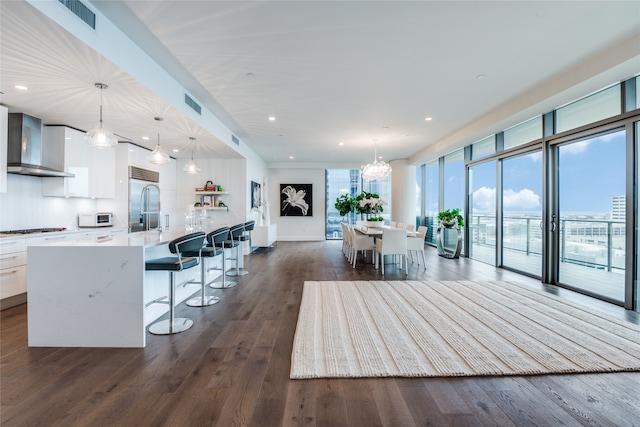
[591, 200]
[523, 133]
[481, 223]
[522, 213]
[339, 182]
[431, 198]
[600, 105]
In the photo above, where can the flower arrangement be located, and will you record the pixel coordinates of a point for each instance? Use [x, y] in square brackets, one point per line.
[370, 204]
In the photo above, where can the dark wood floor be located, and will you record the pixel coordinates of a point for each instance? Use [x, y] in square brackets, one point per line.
[232, 367]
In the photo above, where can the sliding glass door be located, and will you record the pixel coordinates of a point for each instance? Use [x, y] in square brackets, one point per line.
[522, 213]
[591, 174]
[482, 212]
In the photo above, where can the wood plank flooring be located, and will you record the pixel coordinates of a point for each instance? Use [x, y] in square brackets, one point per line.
[232, 367]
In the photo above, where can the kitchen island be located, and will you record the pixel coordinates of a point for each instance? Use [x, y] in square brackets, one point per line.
[96, 293]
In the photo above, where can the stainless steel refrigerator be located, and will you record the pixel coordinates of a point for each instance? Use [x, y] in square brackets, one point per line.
[144, 199]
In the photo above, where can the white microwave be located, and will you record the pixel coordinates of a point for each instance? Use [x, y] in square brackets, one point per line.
[99, 219]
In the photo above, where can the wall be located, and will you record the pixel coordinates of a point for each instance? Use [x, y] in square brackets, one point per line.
[228, 173]
[23, 206]
[298, 228]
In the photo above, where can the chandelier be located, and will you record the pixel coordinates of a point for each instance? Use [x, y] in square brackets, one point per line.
[191, 167]
[100, 137]
[158, 156]
[377, 170]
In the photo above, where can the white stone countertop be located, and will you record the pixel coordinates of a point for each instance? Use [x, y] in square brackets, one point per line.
[144, 238]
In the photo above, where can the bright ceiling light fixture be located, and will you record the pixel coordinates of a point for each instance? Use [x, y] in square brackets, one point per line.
[377, 170]
[158, 156]
[100, 137]
[191, 167]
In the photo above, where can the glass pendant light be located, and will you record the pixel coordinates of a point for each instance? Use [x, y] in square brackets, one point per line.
[191, 167]
[377, 170]
[158, 156]
[100, 137]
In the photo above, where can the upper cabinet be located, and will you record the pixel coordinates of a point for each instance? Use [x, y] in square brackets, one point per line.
[4, 118]
[94, 168]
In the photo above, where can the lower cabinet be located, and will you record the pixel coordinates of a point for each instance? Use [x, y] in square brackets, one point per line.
[13, 259]
[264, 235]
[13, 272]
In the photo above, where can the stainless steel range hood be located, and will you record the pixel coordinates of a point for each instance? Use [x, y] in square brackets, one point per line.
[27, 154]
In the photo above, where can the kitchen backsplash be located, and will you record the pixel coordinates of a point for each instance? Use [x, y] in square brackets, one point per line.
[23, 206]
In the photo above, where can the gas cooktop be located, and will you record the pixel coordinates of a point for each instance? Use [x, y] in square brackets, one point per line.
[32, 230]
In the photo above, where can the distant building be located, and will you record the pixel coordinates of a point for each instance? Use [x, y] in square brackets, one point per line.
[618, 205]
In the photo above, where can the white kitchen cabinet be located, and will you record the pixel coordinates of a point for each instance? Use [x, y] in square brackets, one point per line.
[13, 267]
[4, 117]
[94, 168]
[264, 235]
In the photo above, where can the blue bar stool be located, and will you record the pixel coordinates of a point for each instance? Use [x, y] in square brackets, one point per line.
[235, 233]
[190, 242]
[219, 239]
[208, 251]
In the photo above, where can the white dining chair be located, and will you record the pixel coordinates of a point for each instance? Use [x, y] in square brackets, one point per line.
[400, 226]
[393, 242]
[360, 242]
[411, 227]
[393, 224]
[415, 245]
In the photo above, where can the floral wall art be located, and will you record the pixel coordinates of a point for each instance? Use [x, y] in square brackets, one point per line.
[296, 200]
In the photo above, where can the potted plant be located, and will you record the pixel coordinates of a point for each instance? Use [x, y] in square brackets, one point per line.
[345, 204]
[370, 204]
[451, 217]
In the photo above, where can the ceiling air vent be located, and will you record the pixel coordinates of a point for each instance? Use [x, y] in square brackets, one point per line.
[81, 11]
[235, 139]
[193, 104]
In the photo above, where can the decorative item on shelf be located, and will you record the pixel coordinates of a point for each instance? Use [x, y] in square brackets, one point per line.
[208, 186]
[377, 170]
[451, 218]
[100, 137]
[370, 204]
[158, 156]
[191, 167]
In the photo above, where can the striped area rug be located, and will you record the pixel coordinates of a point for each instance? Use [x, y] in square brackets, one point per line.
[452, 328]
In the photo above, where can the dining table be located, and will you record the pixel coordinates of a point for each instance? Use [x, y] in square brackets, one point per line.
[376, 232]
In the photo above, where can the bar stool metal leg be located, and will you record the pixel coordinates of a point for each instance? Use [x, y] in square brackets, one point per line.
[171, 325]
[203, 300]
[223, 284]
[239, 271]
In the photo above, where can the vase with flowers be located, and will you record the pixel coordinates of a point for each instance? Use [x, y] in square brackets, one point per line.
[371, 205]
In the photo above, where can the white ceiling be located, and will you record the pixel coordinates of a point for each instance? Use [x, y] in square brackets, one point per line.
[328, 71]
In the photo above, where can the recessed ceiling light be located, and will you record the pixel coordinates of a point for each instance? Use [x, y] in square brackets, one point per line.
[340, 143]
[428, 119]
[175, 150]
[146, 138]
[385, 127]
[480, 76]
[250, 75]
[271, 118]
[290, 157]
[21, 87]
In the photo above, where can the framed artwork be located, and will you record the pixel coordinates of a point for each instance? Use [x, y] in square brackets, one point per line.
[296, 199]
[256, 195]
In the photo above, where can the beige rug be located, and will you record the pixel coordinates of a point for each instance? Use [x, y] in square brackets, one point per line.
[461, 328]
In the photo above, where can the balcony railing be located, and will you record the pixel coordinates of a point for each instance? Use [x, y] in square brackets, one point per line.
[590, 243]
